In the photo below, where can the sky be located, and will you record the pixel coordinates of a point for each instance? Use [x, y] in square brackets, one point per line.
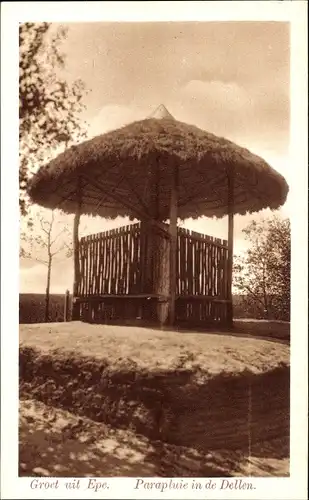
[229, 78]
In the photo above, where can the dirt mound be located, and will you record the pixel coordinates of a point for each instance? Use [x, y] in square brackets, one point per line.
[225, 412]
[207, 393]
[145, 350]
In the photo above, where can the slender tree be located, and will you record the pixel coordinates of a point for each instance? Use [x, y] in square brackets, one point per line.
[262, 275]
[50, 239]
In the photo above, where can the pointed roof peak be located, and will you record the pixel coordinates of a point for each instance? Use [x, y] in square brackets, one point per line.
[161, 112]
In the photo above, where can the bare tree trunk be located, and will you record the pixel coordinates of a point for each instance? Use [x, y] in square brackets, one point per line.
[47, 296]
[266, 307]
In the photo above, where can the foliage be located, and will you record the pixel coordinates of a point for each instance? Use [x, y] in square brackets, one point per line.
[49, 107]
[263, 273]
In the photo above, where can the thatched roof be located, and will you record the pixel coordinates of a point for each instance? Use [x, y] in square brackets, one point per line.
[121, 171]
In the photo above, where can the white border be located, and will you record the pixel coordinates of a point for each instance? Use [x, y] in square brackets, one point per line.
[14, 12]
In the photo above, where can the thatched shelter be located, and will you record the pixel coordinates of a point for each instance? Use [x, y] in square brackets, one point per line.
[155, 170]
[128, 160]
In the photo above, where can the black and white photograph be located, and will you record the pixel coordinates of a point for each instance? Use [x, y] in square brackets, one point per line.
[155, 222]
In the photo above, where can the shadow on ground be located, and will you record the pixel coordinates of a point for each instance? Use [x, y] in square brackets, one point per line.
[55, 443]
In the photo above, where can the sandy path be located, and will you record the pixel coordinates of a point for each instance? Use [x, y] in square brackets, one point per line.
[57, 443]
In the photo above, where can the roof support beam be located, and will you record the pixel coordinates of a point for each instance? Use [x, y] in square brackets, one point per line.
[137, 212]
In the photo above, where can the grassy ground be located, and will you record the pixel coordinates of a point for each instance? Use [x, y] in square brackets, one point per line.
[173, 399]
[277, 330]
[147, 350]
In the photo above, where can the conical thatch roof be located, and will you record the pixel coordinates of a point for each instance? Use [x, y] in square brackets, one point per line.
[122, 170]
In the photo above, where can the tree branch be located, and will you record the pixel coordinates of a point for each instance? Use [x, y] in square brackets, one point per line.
[42, 227]
[246, 287]
[57, 236]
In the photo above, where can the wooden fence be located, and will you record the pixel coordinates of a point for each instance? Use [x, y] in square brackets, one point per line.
[112, 277]
[202, 280]
[202, 264]
[109, 262]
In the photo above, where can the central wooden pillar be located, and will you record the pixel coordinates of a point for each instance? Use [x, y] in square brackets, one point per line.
[159, 251]
[230, 181]
[150, 280]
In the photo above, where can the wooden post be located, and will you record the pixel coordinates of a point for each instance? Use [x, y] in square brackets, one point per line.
[75, 306]
[173, 243]
[150, 242]
[66, 306]
[230, 180]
